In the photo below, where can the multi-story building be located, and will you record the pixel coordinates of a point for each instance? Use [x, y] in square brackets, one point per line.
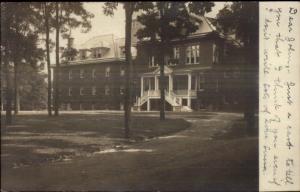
[94, 78]
[202, 71]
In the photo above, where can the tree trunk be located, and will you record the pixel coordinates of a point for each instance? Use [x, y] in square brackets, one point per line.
[16, 87]
[57, 70]
[8, 96]
[49, 104]
[162, 63]
[8, 107]
[16, 60]
[127, 98]
[162, 84]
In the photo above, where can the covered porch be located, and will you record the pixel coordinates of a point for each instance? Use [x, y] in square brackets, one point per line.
[180, 88]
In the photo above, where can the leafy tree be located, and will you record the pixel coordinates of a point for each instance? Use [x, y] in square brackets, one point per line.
[57, 68]
[129, 8]
[68, 15]
[33, 88]
[164, 21]
[5, 25]
[241, 19]
[44, 14]
[18, 43]
[21, 32]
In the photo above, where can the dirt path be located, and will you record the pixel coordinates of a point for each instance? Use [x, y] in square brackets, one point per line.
[201, 158]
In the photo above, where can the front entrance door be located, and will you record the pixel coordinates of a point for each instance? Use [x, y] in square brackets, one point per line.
[166, 82]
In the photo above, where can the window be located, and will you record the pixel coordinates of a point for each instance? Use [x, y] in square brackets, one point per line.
[176, 52]
[122, 71]
[69, 106]
[107, 90]
[70, 91]
[81, 91]
[226, 50]
[215, 54]
[107, 71]
[97, 53]
[153, 61]
[122, 89]
[225, 100]
[201, 82]
[83, 54]
[226, 74]
[193, 82]
[93, 73]
[236, 73]
[81, 74]
[192, 54]
[70, 74]
[122, 51]
[94, 90]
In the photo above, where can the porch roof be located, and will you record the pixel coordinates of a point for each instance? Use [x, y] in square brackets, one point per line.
[190, 69]
[177, 70]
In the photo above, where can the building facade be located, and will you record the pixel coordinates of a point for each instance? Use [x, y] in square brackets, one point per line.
[94, 78]
[202, 71]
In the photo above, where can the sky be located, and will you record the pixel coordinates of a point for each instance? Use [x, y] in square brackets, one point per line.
[102, 24]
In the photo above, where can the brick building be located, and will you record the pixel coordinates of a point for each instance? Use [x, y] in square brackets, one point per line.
[94, 78]
[202, 71]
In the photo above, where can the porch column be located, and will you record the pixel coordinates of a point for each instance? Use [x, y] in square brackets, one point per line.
[189, 83]
[142, 86]
[170, 83]
[156, 83]
[189, 89]
[148, 104]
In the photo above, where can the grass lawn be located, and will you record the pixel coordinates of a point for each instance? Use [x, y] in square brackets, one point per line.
[37, 138]
[207, 151]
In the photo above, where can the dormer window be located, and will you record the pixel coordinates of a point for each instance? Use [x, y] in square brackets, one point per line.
[83, 54]
[97, 53]
[122, 51]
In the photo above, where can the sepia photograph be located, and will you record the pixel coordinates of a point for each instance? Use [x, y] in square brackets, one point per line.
[130, 96]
